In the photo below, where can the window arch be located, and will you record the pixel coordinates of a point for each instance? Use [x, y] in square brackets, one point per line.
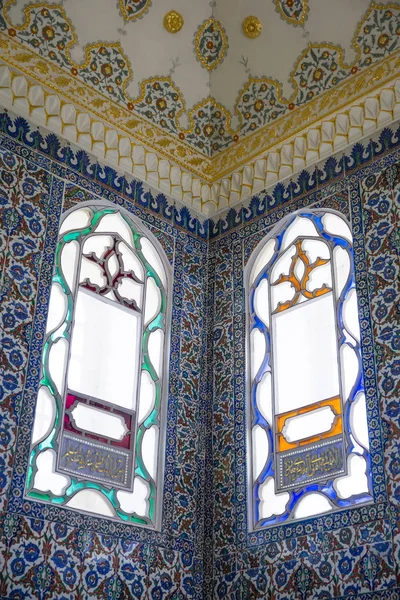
[97, 441]
[308, 434]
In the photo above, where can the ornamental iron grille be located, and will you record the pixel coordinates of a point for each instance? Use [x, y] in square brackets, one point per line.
[308, 423]
[97, 436]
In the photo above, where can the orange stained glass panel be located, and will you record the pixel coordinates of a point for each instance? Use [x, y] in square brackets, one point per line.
[337, 425]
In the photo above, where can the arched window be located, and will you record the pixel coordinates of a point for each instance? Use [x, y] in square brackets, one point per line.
[97, 441]
[307, 410]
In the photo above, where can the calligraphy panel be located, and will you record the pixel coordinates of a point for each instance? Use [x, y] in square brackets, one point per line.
[316, 461]
[94, 461]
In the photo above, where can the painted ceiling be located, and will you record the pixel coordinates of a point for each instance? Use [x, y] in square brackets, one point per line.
[207, 85]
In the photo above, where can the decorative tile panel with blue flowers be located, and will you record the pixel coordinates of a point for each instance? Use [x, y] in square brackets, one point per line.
[49, 551]
[346, 553]
[205, 548]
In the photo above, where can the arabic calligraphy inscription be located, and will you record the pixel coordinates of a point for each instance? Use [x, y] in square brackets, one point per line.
[94, 461]
[312, 463]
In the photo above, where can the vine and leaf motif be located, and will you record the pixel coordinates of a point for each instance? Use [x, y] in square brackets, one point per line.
[380, 195]
[319, 69]
[49, 32]
[299, 284]
[293, 11]
[133, 9]
[209, 127]
[161, 102]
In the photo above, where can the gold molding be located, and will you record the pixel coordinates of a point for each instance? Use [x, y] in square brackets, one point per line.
[169, 162]
[179, 151]
[171, 140]
[303, 117]
[106, 141]
[74, 40]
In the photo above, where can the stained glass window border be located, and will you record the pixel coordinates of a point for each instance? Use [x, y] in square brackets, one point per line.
[155, 523]
[265, 527]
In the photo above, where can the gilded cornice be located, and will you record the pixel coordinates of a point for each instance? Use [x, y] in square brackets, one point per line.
[305, 116]
[125, 152]
[86, 98]
[127, 135]
[260, 106]
[210, 169]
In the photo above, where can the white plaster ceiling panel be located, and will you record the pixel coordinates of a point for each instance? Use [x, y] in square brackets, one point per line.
[274, 53]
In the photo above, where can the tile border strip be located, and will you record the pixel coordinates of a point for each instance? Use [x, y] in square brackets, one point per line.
[70, 162]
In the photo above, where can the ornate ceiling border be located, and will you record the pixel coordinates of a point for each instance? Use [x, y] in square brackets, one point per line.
[319, 72]
[49, 96]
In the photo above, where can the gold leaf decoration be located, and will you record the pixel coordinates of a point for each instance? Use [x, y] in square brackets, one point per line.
[23, 57]
[62, 81]
[173, 21]
[252, 27]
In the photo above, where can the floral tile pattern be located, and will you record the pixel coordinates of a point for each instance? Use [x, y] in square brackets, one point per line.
[23, 194]
[381, 226]
[90, 557]
[350, 552]
[170, 575]
[51, 553]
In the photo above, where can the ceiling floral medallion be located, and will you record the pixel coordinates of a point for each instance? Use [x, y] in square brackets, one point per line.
[133, 9]
[209, 127]
[252, 27]
[293, 11]
[211, 44]
[173, 21]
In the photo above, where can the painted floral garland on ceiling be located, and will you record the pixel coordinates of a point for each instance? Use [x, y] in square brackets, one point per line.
[211, 44]
[133, 9]
[293, 11]
[49, 32]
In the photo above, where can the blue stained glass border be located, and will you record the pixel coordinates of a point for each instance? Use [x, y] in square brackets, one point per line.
[340, 518]
[326, 488]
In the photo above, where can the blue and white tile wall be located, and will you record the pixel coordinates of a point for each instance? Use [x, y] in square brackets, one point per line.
[49, 552]
[351, 553]
[204, 549]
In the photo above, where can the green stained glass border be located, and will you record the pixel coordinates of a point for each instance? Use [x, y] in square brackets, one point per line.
[64, 331]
